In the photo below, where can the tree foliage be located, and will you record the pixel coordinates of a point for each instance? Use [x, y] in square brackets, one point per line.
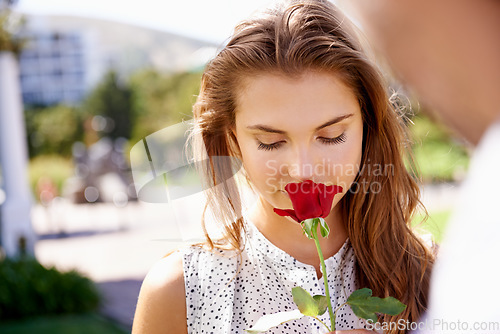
[161, 100]
[10, 24]
[112, 99]
[138, 107]
[53, 130]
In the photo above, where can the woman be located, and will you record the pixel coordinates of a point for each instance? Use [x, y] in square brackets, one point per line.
[294, 97]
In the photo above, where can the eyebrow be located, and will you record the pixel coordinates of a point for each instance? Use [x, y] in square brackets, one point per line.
[266, 128]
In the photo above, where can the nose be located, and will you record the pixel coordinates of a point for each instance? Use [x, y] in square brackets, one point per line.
[301, 166]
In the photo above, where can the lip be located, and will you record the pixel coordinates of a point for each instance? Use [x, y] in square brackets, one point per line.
[325, 183]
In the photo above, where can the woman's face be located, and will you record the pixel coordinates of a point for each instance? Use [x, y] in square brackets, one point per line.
[294, 129]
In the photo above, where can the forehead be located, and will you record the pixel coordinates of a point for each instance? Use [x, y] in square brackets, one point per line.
[297, 101]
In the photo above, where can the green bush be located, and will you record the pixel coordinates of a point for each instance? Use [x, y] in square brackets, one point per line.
[438, 154]
[29, 289]
[434, 224]
[85, 323]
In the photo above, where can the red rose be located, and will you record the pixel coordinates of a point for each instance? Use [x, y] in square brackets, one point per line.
[309, 200]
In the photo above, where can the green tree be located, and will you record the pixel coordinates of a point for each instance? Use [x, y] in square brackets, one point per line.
[162, 99]
[53, 130]
[112, 99]
[9, 26]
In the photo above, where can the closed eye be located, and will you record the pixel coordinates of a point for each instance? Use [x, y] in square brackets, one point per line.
[332, 141]
[329, 141]
[269, 147]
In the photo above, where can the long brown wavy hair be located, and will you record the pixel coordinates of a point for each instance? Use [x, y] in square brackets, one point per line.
[313, 35]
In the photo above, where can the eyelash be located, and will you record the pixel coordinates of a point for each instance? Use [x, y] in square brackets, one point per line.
[269, 147]
[328, 141]
[331, 141]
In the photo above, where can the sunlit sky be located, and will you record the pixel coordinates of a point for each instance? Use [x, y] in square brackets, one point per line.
[211, 20]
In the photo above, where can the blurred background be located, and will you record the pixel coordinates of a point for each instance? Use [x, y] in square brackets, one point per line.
[81, 84]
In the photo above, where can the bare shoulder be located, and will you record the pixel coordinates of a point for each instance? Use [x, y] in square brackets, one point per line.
[161, 307]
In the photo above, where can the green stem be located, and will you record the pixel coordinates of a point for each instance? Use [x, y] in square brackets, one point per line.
[323, 269]
[328, 328]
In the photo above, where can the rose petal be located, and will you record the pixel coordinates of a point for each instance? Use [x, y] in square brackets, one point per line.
[326, 198]
[304, 200]
[309, 200]
[286, 213]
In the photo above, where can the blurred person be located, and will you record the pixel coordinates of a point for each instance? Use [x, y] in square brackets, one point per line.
[448, 52]
[294, 96]
[46, 190]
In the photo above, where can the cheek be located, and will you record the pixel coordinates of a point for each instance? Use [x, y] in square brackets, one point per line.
[264, 171]
[260, 168]
[344, 164]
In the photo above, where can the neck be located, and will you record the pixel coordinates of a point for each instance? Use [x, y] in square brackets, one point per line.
[286, 234]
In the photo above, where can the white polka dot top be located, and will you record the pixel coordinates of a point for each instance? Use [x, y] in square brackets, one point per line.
[222, 299]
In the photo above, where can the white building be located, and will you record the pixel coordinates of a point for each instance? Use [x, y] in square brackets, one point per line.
[53, 68]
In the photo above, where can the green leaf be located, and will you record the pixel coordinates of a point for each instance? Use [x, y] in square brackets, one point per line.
[360, 294]
[325, 229]
[269, 321]
[305, 302]
[365, 306]
[308, 225]
[322, 303]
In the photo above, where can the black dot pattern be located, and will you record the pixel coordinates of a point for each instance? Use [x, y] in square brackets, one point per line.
[222, 298]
